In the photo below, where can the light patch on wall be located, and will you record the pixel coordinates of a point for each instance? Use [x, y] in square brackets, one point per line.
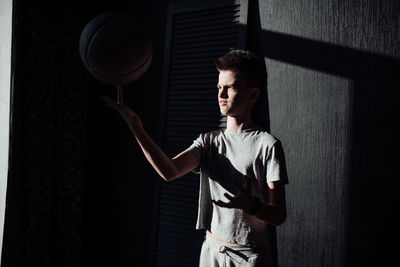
[5, 82]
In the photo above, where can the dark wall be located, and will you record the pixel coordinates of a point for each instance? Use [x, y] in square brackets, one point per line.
[79, 192]
[332, 101]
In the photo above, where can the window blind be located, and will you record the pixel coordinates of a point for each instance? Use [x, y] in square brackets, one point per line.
[197, 33]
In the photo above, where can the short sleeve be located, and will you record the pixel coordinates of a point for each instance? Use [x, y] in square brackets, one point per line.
[276, 165]
[196, 148]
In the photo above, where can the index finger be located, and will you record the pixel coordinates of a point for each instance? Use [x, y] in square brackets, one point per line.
[111, 103]
[221, 203]
[108, 100]
[120, 96]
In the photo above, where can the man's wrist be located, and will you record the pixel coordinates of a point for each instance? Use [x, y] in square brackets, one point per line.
[255, 207]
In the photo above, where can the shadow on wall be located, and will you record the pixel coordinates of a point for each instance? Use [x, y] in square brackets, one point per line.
[373, 176]
[375, 139]
[375, 134]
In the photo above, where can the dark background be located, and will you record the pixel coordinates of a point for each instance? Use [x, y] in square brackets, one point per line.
[80, 193]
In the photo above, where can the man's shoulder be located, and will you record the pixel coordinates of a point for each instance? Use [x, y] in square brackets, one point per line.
[266, 137]
[211, 134]
[261, 135]
[207, 137]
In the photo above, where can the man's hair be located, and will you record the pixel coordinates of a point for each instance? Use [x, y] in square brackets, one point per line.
[245, 63]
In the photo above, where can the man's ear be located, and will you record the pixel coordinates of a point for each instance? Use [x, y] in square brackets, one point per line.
[254, 94]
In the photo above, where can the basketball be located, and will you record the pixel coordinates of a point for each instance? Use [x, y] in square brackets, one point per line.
[115, 49]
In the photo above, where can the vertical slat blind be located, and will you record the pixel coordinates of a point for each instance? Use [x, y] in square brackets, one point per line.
[199, 34]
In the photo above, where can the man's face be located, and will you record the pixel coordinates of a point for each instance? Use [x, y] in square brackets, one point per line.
[233, 97]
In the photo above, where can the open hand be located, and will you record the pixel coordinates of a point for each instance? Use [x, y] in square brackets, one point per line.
[132, 119]
[242, 199]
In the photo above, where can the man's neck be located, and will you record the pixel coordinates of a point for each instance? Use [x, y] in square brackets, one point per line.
[239, 124]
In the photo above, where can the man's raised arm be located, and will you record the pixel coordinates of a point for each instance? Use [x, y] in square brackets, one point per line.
[168, 168]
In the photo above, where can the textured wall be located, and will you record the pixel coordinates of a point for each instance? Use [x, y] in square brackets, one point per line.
[310, 112]
[327, 63]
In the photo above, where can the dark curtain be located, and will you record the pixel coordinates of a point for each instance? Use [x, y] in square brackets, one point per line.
[72, 197]
[44, 213]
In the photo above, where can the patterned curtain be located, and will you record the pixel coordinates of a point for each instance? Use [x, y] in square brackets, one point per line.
[44, 210]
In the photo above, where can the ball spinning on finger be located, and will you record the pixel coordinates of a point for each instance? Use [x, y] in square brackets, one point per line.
[115, 49]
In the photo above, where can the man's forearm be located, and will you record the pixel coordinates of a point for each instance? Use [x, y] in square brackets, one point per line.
[271, 214]
[163, 164]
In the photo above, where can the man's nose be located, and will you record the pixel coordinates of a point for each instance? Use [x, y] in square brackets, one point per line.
[223, 93]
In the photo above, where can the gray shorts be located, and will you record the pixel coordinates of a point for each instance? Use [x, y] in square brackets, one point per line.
[217, 254]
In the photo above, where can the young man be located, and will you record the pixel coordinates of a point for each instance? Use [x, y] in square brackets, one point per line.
[242, 173]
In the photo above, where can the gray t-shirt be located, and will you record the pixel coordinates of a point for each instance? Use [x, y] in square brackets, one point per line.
[226, 156]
